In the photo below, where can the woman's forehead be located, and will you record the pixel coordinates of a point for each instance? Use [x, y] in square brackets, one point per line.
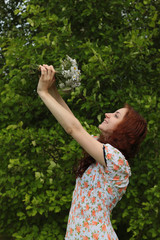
[122, 111]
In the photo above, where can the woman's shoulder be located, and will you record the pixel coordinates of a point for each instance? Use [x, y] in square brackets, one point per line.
[113, 149]
[115, 157]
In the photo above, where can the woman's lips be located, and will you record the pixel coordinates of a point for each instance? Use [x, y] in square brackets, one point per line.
[105, 121]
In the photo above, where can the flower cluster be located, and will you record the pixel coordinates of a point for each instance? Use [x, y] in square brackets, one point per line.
[68, 76]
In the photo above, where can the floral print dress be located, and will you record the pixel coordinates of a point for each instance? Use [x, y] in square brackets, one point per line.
[95, 195]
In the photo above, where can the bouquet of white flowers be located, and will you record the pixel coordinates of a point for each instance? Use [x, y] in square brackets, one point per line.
[68, 75]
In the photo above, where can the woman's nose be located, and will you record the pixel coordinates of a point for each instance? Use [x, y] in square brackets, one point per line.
[107, 115]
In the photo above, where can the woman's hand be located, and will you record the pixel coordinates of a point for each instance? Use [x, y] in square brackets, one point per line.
[47, 78]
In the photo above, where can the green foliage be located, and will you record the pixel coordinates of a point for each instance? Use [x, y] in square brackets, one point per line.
[116, 44]
[34, 183]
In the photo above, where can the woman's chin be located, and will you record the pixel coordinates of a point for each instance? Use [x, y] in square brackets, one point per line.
[100, 127]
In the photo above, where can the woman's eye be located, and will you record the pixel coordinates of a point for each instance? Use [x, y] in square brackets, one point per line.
[116, 115]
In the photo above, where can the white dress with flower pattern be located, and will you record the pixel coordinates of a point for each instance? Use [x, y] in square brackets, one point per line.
[94, 197]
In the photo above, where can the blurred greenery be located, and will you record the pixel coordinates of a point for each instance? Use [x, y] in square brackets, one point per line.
[116, 44]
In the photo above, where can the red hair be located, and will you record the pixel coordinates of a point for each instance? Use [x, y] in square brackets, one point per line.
[126, 138]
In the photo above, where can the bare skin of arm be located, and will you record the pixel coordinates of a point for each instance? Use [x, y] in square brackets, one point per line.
[55, 94]
[64, 115]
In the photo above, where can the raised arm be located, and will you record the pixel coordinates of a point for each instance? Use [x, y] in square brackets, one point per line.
[67, 120]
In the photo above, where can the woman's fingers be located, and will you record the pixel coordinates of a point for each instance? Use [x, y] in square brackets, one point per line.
[50, 71]
[47, 72]
[43, 71]
[47, 78]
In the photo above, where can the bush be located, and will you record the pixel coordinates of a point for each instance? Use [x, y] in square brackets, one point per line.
[116, 44]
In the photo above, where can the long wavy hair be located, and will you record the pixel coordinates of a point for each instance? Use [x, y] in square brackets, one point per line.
[127, 138]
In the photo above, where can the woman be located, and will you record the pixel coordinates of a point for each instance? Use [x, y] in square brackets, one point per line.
[103, 174]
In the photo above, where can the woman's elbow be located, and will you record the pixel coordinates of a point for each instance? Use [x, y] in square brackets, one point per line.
[75, 127]
[69, 130]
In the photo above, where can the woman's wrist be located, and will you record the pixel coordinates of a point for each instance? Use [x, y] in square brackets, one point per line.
[42, 92]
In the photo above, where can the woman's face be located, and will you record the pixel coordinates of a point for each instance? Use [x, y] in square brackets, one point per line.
[111, 121]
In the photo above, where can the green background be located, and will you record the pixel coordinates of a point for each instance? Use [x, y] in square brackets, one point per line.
[116, 45]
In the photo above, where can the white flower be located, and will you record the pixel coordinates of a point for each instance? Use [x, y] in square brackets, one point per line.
[66, 73]
[74, 77]
[73, 61]
[61, 85]
[78, 72]
[78, 84]
[69, 83]
[74, 68]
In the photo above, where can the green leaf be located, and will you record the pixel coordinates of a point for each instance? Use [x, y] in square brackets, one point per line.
[30, 21]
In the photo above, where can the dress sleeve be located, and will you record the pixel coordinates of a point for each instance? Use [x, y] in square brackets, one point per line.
[117, 166]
